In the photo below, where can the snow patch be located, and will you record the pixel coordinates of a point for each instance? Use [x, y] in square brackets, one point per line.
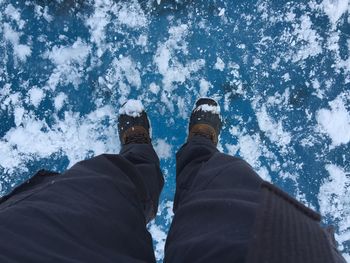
[154, 88]
[59, 101]
[97, 23]
[334, 200]
[132, 108]
[66, 55]
[249, 149]
[131, 15]
[18, 115]
[69, 61]
[222, 11]
[336, 121]
[15, 15]
[172, 70]
[159, 237]
[74, 136]
[209, 108]
[43, 12]
[204, 86]
[334, 9]
[163, 149]
[121, 76]
[20, 51]
[36, 95]
[220, 64]
[308, 38]
[274, 130]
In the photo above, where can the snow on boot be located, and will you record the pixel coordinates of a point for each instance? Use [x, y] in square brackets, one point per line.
[205, 120]
[133, 123]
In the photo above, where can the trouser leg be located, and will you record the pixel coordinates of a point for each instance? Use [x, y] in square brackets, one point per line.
[94, 212]
[215, 206]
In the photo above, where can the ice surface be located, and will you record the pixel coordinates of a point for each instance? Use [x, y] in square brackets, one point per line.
[281, 73]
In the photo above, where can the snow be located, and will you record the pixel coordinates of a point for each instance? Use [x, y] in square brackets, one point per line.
[21, 51]
[43, 12]
[286, 77]
[249, 147]
[69, 61]
[154, 88]
[172, 70]
[335, 9]
[15, 15]
[309, 39]
[66, 55]
[59, 101]
[123, 75]
[335, 122]
[220, 64]
[132, 15]
[334, 200]
[132, 108]
[274, 130]
[204, 86]
[222, 11]
[284, 91]
[75, 136]
[97, 23]
[158, 231]
[163, 149]
[159, 237]
[36, 95]
[209, 108]
[18, 114]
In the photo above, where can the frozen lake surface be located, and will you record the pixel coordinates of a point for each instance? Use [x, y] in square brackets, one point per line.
[280, 70]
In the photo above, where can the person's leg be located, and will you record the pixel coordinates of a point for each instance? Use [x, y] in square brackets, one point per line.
[215, 205]
[94, 212]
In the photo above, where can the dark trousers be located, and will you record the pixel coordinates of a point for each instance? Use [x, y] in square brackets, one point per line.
[97, 210]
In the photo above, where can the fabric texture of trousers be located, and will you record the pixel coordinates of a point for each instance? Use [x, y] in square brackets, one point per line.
[95, 212]
[215, 205]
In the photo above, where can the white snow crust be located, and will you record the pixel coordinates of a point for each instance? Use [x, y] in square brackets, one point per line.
[132, 108]
[59, 101]
[334, 200]
[36, 95]
[335, 9]
[76, 136]
[209, 108]
[335, 122]
[163, 149]
[21, 51]
[274, 129]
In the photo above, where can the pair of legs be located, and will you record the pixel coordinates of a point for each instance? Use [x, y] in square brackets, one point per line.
[97, 210]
